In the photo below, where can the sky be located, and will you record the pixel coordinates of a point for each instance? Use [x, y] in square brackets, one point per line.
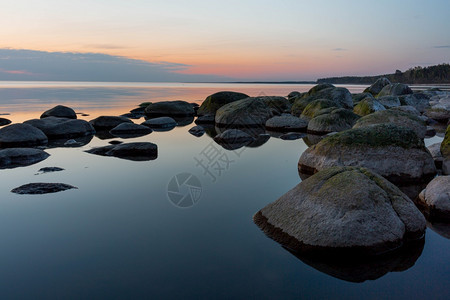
[194, 40]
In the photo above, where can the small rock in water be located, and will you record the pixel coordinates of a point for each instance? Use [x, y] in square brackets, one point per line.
[4, 121]
[50, 169]
[292, 136]
[71, 142]
[197, 131]
[39, 188]
[85, 115]
[115, 142]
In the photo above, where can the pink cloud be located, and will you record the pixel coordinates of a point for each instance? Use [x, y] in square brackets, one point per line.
[17, 72]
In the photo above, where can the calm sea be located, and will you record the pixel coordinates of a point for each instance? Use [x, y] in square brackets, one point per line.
[121, 234]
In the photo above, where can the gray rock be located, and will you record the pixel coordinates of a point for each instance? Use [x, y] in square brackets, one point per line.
[394, 152]
[55, 128]
[197, 131]
[294, 94]
[430, 132]
[60, 111]
[445, 151]
[340, 96]
[215, 101]
[316, 108]
[20, 157]
[407, 109]
[435, 151]
[377, 86]
[205, 119]
[39, 188]
[170, 108]
[233, 136]
[161, 122]
[395, 89]
[132, 151]
[367, 106]
[246, 112]
[4, 121]
[286, 123]
[361, 96]
[343, 209]
[337, 120]
[394, 117]
[21, 135]
[108, 122]
[389, 101]
[419, 101]
[278, 104]
[130, 130]
[50, 170]
[435, 199]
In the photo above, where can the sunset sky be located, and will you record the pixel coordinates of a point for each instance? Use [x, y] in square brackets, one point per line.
[242, 40]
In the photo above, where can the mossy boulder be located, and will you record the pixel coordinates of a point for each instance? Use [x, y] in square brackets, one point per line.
[396, 117]
[313, 108]
[278, 104]
[389, 101]
[342, 210]
[407, 109]
[317, 88]
[377, 86]
[246, 112]
[170, 108]
[215, 101]
[340, 96]
[394, 152]
[361, 96]
[337, 120]
[438, 113]
[368, 106]
[395, 89]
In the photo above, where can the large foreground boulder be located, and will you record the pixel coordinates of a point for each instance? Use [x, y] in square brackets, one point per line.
[139, 151]
[343, 209]
[435, 199]
[20, 157]
[246, 112]
[56, 128]
[396, 117]
[392, 151]
[21, 135]
[60, 111]
[215, 101]
[170, 108]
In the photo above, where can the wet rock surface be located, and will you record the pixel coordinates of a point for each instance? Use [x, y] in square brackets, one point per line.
[39, 188]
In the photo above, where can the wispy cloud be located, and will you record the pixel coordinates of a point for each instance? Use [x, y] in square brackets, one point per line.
[442, 47]
[339, 49]
[70, 66]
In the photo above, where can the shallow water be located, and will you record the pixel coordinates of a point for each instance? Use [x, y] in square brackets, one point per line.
[120, 236]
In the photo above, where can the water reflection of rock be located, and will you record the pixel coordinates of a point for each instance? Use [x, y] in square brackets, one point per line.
[355, 269]
[104, 135]
[312, 139]
[69, 143]
[443, 229]
[258, 133]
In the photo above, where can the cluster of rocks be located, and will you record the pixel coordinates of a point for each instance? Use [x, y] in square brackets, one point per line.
[352, 199]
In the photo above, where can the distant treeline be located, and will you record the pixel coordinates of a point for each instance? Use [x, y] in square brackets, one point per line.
[418, 75]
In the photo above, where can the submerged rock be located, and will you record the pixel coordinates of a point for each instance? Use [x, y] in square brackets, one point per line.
[286, 123]
[197, 131]
[343, 210]
[132, 151]
[20, 157]
[170, 108]
[21, 135]
[60, 111]
[39, 188]
[161, 122]
[435, 199]
[215, 101]
[290, 136]
[4, 121]
[57, 128]
[394, 152]
[105, 123]
[395, 117]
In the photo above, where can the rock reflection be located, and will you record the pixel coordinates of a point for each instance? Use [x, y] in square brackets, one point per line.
[443, 229]
[355, 269]
[69, 143]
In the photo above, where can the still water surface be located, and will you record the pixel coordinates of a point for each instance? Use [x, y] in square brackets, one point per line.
[118, 236]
